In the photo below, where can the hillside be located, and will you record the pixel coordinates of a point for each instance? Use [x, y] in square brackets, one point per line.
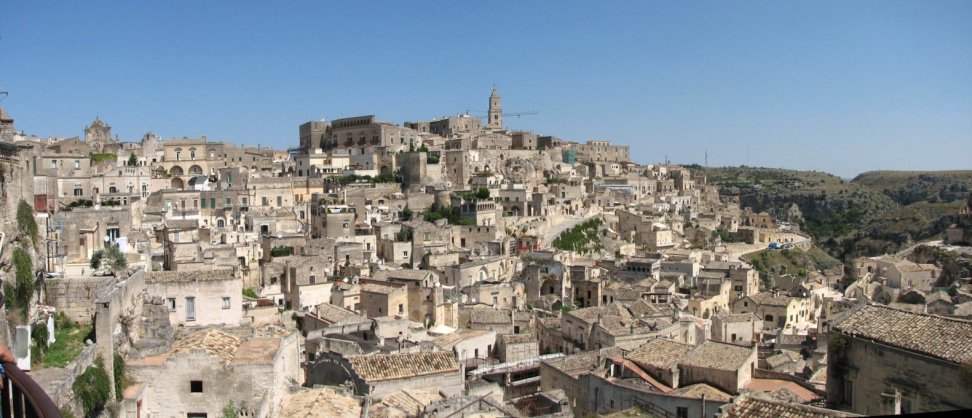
[875, 213]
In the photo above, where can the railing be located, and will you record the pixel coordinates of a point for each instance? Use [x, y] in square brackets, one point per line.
[23, 397]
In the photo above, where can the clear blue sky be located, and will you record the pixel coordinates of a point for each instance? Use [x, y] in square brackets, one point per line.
[839, 86]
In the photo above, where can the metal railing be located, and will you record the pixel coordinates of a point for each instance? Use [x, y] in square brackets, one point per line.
[21, 396]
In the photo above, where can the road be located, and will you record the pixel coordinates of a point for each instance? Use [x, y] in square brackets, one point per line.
[555, 230]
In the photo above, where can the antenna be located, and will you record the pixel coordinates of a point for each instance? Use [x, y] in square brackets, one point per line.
[706, 157]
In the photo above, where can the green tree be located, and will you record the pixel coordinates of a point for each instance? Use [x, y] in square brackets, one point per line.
[92, 389]
[132, 160]
[110, 258]
[24, 273]
[407, 214]
[26, 221]
[482, 193]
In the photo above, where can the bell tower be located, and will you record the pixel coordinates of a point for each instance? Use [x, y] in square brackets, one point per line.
[495, 111]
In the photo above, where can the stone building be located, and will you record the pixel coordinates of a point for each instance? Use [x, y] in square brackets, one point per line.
[884, 361]
[380, 375]
[209, 369]
[199, 298]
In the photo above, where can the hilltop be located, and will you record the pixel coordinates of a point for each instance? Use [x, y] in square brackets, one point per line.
[877, 212]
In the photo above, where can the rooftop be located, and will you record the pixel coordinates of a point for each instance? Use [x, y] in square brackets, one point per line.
[189, 276]
[939, 337]
[757, 406]
[659, 353]
[323, 401]
[215, 342]
[719, 356]
[400, 366]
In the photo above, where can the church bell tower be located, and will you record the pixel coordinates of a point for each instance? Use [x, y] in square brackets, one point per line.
[495, 111]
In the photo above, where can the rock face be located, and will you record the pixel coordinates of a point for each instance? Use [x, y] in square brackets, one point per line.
[877, 212]
[154, 330]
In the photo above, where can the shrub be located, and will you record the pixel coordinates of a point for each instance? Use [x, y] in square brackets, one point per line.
[92, 389]
[24, 272]
[110, 258]
[26, 221]
[248, 292]
[132, 159]
[119, 372]
[38, 339]
[281, 251]
[100, 158]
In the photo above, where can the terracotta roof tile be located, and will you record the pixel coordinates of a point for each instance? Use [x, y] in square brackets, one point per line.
[404, 365]
[932, 335]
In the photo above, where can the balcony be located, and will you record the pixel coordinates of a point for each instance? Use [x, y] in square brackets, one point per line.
[22, 397]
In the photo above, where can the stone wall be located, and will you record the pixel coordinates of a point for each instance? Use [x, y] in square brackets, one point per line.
[602, 396]
[60, 389]
[875, 372]
[75, 296]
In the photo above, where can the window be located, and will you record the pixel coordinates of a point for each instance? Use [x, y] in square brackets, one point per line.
[279, 200]
[229, 202]
[769, 318]
[77, 164]
[53, 163]
[195, 386]
[681, 412]
[112, 189]
[170, 302]
[78, 191]
[203, 203]
[212, 202]
[264, 201]
[401, 308]
[226, 302]
[245, 202]
[191, 310]
[849, 393]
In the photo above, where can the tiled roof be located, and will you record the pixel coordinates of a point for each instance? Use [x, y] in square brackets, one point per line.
[518, 338]
[322, 401]
[379, 288]
[584, 361]
[408, 274]
[178, 224]
[213, 341]
[754, 406]
[944, 338]
[403, 403]
[403, 365]
[591, 314]
[697, 390]
[659, 353]
[257, 351]
[719, 356]
[189, 276]
[771, 298]
[490, 316]
[332, 313]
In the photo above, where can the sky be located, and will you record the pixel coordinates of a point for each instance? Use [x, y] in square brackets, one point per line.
[836, 86]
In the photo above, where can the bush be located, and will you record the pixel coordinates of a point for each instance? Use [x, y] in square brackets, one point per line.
[119, 372]
[281, 251]
[110, 258]
[39, 340]
[26, 221]
[100, 158]
[248, 292]
[92, 389]
[24, 272]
